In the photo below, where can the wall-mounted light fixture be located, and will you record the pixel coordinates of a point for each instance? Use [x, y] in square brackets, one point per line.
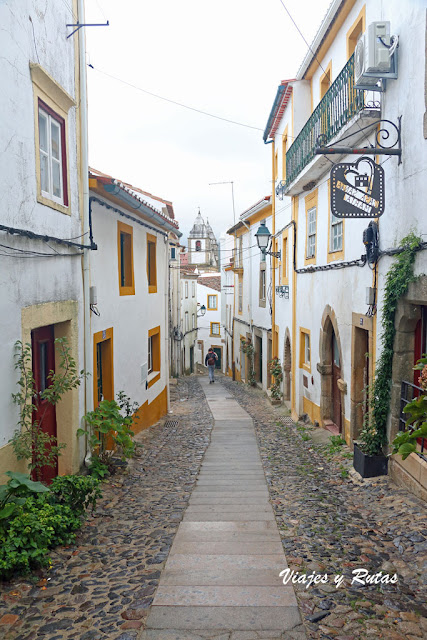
[263, 238]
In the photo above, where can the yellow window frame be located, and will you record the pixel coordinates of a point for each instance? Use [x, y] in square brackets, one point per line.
[152, 258]
[212, 295]
[339, 254]
[302, 337]
[154, 334]
[215, 335]
[310, 201]
[127, 230]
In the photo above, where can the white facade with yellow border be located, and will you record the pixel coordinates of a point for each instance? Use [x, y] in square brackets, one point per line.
[41, 179]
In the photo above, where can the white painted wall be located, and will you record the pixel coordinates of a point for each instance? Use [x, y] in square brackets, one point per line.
[227, 299]
[203, 322]
[188, 305]
[405, 186]
[34, 280]
[197, 257]
[131, 316]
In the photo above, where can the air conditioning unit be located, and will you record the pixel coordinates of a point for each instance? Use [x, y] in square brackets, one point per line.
[372, 55]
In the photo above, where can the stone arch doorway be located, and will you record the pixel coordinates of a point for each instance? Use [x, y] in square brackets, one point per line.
[332, 386]
[287, 365]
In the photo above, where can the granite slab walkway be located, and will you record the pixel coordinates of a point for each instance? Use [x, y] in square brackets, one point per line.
[221, 579]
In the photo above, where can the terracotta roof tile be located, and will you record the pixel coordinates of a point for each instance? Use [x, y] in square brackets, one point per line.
[213, 282]
[136, 193]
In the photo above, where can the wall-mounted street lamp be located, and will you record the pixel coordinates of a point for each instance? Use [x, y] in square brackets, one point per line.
[202, 311]
[263, 238]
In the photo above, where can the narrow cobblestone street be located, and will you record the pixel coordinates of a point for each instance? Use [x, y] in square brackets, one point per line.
[329, 521]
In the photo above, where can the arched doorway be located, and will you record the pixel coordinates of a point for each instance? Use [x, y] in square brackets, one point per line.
[330, 367]
[336, 375]
[287, 364]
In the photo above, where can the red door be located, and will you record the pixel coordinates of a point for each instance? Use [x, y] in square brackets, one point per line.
[336, 375]
[43, 348]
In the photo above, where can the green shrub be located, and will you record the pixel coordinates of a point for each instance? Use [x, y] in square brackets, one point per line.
[99, 469]
[16, 491]
[36, 527]
[111, 420]
[77, 492]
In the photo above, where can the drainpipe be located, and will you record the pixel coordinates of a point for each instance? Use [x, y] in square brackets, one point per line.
[274, 260]
[85, 183]
[167, 284]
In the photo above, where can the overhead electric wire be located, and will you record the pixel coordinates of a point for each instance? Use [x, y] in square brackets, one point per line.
[301, 34]
[175, 102]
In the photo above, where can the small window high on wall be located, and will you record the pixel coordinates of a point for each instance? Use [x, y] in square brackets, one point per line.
[198, 245]
[125, 259]
[52, 152]
[151, 263]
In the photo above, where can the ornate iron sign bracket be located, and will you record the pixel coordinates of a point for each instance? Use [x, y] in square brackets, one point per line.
[388, 142]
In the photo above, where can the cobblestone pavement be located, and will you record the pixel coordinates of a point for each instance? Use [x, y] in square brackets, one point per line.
[102, 587]
[333, 523]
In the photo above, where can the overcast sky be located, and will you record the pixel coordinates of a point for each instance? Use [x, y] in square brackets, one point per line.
[226, 57]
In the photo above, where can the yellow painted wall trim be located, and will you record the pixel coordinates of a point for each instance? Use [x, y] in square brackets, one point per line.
[63, 315]
[310, 201]
[294, 313]
[40, 93]
[284, 151]
[212, 295]
[265, 212]
[149, 413]
[126, 290]
[44, 81]
[285, 257]
[93, 183]
[101, 336]
[152, 287]
[155, 356]
[302, 333]
[325, 80]
[311, 409]
[336, 25]
[358, 27]
[334, 255]
[215, 335]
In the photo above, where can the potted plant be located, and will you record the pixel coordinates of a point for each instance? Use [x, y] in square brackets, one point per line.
[369, 458]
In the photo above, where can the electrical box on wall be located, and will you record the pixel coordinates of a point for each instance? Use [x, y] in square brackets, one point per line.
[144, 372]
[93, 295]
[370, 296]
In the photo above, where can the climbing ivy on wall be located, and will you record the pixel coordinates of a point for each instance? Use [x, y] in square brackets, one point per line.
[399, 276]
[249, 350]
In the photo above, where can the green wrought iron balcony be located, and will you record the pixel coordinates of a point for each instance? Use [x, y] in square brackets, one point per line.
[338, 106]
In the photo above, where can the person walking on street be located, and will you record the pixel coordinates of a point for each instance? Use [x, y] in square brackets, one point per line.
[210, 361]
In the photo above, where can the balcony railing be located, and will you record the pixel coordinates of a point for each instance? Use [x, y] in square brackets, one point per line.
[408, 392]
[339, 104]
[237, 259]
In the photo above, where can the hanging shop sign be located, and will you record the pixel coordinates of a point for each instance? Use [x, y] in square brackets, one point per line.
[357, 189]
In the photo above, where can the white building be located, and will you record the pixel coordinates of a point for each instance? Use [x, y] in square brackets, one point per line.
[130, 271]
[326, 328]
[43, 233]
[251, 321]
[202, 246]
[187, 334]
[209, 333]
[227, 301]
